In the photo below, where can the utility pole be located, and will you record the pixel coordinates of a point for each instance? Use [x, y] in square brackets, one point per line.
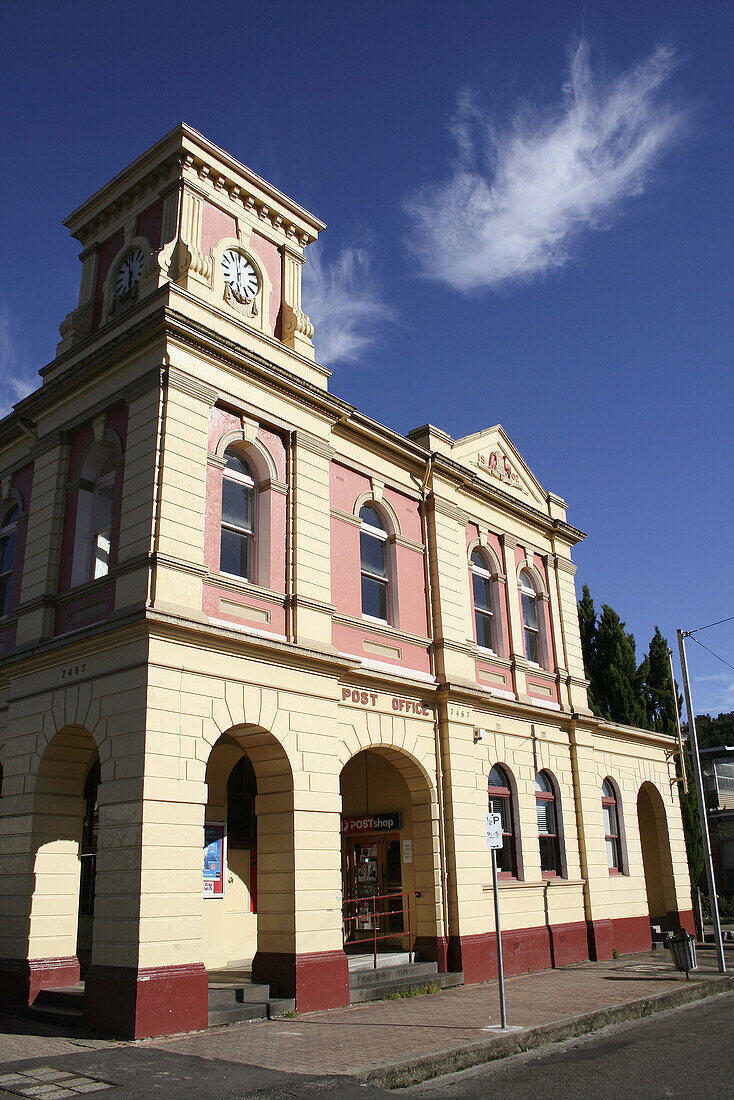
[693, 742]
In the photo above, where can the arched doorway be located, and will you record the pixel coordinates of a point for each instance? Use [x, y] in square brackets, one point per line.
[248, 892]
[65, 816]
[389, 883]
[656, 857]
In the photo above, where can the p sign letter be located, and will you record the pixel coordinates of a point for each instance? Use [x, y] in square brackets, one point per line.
[494, 830]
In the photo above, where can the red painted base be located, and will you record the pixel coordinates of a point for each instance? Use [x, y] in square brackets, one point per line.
[21, 980]
[523, 950]
[631, 934]
[569, 943]
[317, 981]
[682, 919]
[600, 937]
[433, 949]
[138, 1004]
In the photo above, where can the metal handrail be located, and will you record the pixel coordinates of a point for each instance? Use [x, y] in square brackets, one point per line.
[404, 911]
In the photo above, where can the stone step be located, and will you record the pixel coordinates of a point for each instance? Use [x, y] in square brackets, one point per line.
[238, 994]
[237, 1013]
[61, 1007]
[240, 1012]
[423, 970]
[379, 989]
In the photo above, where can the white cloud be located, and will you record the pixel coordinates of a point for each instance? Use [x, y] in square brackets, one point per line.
[344, 302]
[522, 189]
[16, 383]
[714, 694]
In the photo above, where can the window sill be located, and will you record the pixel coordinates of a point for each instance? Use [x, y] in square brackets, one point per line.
[373, 619]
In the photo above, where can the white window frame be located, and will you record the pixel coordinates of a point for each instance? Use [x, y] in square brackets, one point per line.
[532, 593]
[486, 574]
[84, 566]
[250, 483]
[383, 536]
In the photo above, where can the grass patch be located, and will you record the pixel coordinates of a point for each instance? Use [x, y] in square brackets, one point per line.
[288, 1015]
[411, 991]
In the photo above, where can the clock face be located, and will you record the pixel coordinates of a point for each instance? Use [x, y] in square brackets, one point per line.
[239, 275]
[130, 271]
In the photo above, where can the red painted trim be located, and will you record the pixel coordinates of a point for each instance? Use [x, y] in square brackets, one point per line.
[523, 949]
[433, 949]
[139, 1004]
[631, 934]
[600, 938]
[317, 981]
[21, 980]
[569, 943]
[681, 919]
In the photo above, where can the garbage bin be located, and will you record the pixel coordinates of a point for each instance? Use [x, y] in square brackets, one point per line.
[682, 947]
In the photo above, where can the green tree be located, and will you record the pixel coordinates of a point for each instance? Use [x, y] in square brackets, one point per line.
[618, 682]
[713, 732]
[692, 825]
[658, 689]
[587, 629]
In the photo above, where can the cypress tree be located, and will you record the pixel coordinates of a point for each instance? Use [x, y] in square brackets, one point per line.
[659, 701]
[618, 681]
[587, 629]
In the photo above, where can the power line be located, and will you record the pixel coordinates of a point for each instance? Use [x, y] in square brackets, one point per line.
[690, 633]
[716, 655]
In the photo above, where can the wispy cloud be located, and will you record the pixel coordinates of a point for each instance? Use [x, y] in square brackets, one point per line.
[714, 694]
[343, 299]
[522, 189]
[15, 382]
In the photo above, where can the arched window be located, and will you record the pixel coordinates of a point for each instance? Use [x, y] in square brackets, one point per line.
[612, 836]
[530, 618]
[93, 535]
[102, 526]
[500, 802]
[7, 553]
[481, 576]
[237, 551]
[546, 809]
[373, 538]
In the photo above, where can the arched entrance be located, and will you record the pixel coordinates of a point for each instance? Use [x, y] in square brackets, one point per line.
[656, 857]
[389, 883]
[64, 852]
[248, 895]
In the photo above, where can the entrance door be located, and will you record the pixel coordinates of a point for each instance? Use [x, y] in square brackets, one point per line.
[373, 888]
[88, 871]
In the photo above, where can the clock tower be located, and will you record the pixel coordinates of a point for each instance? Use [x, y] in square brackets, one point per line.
[187, 226]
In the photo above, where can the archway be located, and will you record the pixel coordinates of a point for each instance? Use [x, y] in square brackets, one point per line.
[389, 838]
[249, 894]
[656, 857]
[64, 851]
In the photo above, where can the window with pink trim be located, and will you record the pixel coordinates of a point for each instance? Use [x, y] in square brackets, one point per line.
[8, 530]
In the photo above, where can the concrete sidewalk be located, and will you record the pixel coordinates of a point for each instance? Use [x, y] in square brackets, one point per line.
[396, 1043]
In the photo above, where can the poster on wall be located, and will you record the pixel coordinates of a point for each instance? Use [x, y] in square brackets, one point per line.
[214, 859]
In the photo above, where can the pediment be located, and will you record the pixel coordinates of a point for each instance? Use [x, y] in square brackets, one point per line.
[491, 454]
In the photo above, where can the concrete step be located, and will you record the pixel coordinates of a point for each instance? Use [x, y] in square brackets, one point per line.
[379, 988]
[62, 1007]
[423, 970]
[237, 1013]
[238, 994]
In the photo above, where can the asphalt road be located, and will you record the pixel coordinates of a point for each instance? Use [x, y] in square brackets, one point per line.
[687, 1052]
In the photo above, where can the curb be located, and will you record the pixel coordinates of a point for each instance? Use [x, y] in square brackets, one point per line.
[412, 1071]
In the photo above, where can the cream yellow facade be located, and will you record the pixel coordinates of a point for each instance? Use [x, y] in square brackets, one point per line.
[127, 644]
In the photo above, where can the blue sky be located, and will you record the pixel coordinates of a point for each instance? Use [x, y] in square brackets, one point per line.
[528, 209]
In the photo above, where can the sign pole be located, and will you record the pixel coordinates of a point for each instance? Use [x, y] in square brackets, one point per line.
[500, 970]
